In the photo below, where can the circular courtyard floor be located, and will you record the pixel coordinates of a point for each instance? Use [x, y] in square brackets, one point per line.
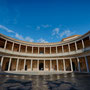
[71, 81]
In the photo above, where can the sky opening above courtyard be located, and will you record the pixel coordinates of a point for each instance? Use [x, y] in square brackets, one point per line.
[44, 21]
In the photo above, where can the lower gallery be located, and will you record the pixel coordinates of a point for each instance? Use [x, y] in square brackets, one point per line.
[72, 54]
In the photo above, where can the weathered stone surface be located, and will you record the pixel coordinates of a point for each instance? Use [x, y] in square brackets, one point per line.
[53, 82]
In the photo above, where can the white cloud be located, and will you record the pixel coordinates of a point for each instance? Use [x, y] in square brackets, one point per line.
[43, 26]
[55, 31]
[16, 35]
[46, 26]
[20, 37]
[29, 39]
[6, 29]
[41, 40]
[38, 27]
[66, 33]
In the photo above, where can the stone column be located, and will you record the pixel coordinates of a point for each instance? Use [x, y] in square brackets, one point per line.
[9, 64]
[38, 64]
[2, 62]
[24, 64]
[26, 50]
[44, 65]
[50, 65]
[64, 64]
[76, 46]
[31, 64]
[78, 64]
[19, 47]
[62, 49]
[69, 47]
[17, 64]
[32, 49]
[57, 64]
[12, 46]
[87, 64]
[44, 50]
[5, 44]
[71, 64]
[56, 49]
[82, 43]
[38, 50]
[50, 49]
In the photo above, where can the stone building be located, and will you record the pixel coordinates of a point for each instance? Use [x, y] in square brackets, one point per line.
[72, 54]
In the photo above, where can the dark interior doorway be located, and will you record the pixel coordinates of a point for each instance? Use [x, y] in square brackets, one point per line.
[41, 66]
[25, 67]
[6, 67]
[74, 68]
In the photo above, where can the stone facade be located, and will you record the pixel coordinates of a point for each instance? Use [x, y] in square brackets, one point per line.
[71, 54]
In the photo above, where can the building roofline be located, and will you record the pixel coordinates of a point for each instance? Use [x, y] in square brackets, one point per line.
[52, 43]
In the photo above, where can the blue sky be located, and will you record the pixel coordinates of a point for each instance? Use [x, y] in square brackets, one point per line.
[44, 20]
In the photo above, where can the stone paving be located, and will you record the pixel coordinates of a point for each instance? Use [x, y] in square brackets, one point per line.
[72, 81]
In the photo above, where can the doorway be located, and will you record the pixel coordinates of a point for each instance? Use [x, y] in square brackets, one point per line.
[6, 67]
[41, 66]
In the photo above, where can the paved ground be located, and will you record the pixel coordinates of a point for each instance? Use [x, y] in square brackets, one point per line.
[77, 81]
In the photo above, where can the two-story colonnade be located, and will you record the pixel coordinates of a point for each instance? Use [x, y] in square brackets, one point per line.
[71, 54]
